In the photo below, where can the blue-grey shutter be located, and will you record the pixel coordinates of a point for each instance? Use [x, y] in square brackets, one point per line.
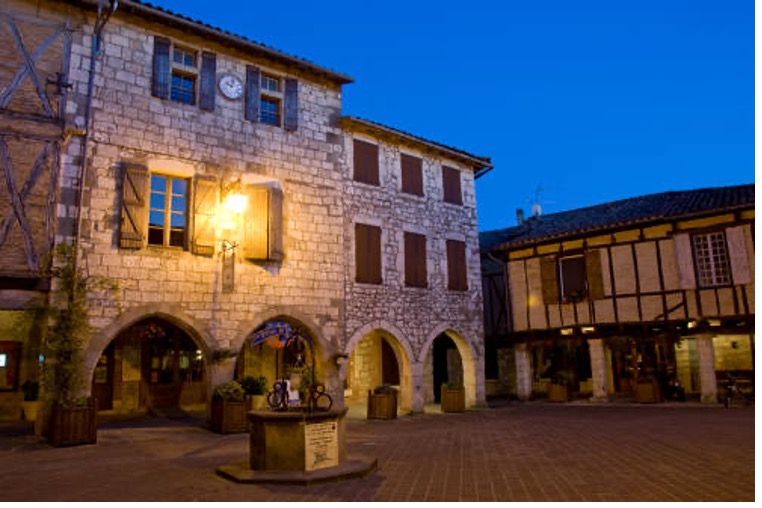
[160, 83]
[207, 81]
[251, 109]
[291, 106]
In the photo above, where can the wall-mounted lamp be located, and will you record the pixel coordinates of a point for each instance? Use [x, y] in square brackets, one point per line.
[233, 204]
[340, 359]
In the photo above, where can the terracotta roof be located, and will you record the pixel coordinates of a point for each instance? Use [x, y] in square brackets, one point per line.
[353, 123]
[254, 48]
[641, 210]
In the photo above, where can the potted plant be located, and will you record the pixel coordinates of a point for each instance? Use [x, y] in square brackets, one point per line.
[382, 402]
[30, 405]
[68, 418]
[255, 389]
[229, 408]
[453, 397]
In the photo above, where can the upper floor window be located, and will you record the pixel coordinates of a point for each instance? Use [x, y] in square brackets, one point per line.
[365, 162]
[168, 211]
[415, 260]
[184, 75]
[270, 102]
[457, 277]
[368, 254]
[451, 185]
[712, 261]
[412, 174]
[572, 278]
[271, 99]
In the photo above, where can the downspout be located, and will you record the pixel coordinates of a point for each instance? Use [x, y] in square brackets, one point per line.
[95, 48]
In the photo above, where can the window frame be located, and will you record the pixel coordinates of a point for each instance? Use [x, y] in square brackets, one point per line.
[416, 272]
[168, 211]
[268, 95]
[576, 294]
[711, 262]
[184, 71]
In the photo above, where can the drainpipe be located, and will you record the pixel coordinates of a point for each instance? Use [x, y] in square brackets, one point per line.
[95, 48]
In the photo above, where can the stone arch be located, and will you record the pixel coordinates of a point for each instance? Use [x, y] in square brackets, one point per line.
[472, 375]
[402, 351]
[171, 313]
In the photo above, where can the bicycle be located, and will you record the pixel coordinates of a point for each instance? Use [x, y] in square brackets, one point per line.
[732, 388]
[277, 398]
[318, 399]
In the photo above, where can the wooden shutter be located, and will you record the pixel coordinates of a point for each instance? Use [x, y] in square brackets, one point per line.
[415, 260]
[134, 217]
[685, 267]
[739, 255]
[368, 254]
[451, 185]
[207, 81]
[275, 226]
[256, 223]
[204, 208]
[365, 162]
[549, 276]
[457, 279]
[291, 106]
[594, 275]
[251, 107]
[412, 174]
[160, 83]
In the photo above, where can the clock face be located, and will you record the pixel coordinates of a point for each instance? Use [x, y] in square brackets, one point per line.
[231, 87]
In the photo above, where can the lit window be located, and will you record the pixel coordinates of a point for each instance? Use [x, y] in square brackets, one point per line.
[712, 261]
[3, 360]
[167, 217]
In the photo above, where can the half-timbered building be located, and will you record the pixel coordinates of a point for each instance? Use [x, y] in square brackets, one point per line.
[654, 289]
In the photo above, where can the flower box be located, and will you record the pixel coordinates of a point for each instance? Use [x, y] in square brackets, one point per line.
[453, 400]
[382, 406]
[72, 426]
[229, 417]
[558, 393]
[647, 392]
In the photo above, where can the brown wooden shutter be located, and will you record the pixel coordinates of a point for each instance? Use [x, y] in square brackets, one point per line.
[451, 185]
[412, 174]
[549, 275]
[134, 219]
[739, 254]
[415, 260]
[368, 254]
[207, 81]
[251, 107]
[256, 223]
[594, 275]
[685, 267]
[457, 277]
[160, 83]
[291, 104]
[365, 162]
[275, 227]
[204, 209]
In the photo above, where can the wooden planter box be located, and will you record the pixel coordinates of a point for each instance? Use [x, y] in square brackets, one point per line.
[229, 417]
[647, 392]
[382, 406]
[558, 393]
[453, 401]
[256, 402]
[73, 426]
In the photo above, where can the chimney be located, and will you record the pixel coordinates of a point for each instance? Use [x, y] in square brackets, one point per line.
[519, 216]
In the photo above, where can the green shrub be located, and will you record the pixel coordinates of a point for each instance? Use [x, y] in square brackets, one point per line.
[254, 385]
[232, 391]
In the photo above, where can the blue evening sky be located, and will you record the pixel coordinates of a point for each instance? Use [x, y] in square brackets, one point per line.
[576, 102]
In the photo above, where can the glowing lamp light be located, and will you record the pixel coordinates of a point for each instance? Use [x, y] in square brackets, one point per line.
[235, 203]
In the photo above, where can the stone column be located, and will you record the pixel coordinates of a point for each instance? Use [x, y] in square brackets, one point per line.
[707, 376]
[416, 377]
[523, 373]
[599, 370]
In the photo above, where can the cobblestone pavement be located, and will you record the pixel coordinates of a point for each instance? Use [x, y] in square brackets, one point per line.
[516, 452]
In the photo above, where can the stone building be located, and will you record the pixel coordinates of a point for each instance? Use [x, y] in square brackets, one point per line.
[172, 124]
[609, 299]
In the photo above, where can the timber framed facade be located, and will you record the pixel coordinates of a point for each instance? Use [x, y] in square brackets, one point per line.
[657, 288]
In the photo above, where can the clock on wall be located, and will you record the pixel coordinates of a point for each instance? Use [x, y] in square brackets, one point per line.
[230, 86]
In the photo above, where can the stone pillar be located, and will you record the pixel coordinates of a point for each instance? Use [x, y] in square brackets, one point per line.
[707, 376]
[523, 373]
[417, 379]
[599, 370]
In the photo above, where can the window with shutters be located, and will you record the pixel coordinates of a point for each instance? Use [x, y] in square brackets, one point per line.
[367, 254]
[184, 75]
[263, 223]
[451, 186]
[415, 260]
[412, 174]
[271, 100]
[457, 278]
[572, 277]
[710, 253]
[365, 162]
[167, 216]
